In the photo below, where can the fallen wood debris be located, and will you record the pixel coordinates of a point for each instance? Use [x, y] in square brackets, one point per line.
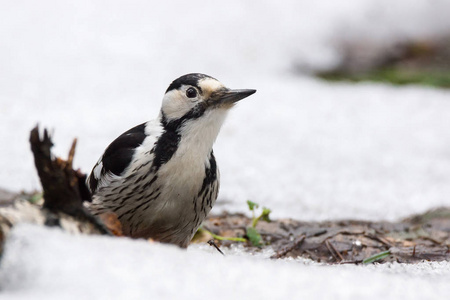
[421, 237]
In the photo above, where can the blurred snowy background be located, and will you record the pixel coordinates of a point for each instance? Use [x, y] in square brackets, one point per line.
[306, 148]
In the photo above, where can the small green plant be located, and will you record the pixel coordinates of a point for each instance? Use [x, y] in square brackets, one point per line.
[252, 233]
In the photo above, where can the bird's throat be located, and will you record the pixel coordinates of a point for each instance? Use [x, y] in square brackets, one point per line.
[197, 136]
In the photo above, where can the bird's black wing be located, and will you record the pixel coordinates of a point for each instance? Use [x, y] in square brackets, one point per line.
[117, 156]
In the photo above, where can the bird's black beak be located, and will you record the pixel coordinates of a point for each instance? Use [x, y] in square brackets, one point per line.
[227, 97]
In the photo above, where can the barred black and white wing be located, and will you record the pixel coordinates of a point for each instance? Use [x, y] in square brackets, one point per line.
[116, 159]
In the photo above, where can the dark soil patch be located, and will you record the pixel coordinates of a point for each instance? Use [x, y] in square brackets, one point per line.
[421, 237]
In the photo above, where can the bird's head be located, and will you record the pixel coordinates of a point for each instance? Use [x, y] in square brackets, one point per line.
[194, 95]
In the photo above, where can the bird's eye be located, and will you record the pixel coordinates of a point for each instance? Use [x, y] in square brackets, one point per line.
[191, 92]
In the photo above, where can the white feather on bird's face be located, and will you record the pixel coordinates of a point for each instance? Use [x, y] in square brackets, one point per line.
[179, 102]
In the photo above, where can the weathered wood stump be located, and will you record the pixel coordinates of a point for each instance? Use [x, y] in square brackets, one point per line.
[64, 191]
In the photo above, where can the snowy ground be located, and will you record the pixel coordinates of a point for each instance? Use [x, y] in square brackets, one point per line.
[45, 263]
[305, 148]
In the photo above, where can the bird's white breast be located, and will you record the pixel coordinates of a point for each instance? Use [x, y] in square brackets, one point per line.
[183, 174]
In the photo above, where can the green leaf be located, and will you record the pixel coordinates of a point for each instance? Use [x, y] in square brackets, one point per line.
[252, 205]
[265, 214]
[377, 257]
[254, 236]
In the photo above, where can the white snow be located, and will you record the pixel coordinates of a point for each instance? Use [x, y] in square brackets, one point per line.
[307, 149]
[42, 263]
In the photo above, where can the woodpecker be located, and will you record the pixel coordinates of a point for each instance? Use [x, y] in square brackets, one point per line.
[161, 178]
